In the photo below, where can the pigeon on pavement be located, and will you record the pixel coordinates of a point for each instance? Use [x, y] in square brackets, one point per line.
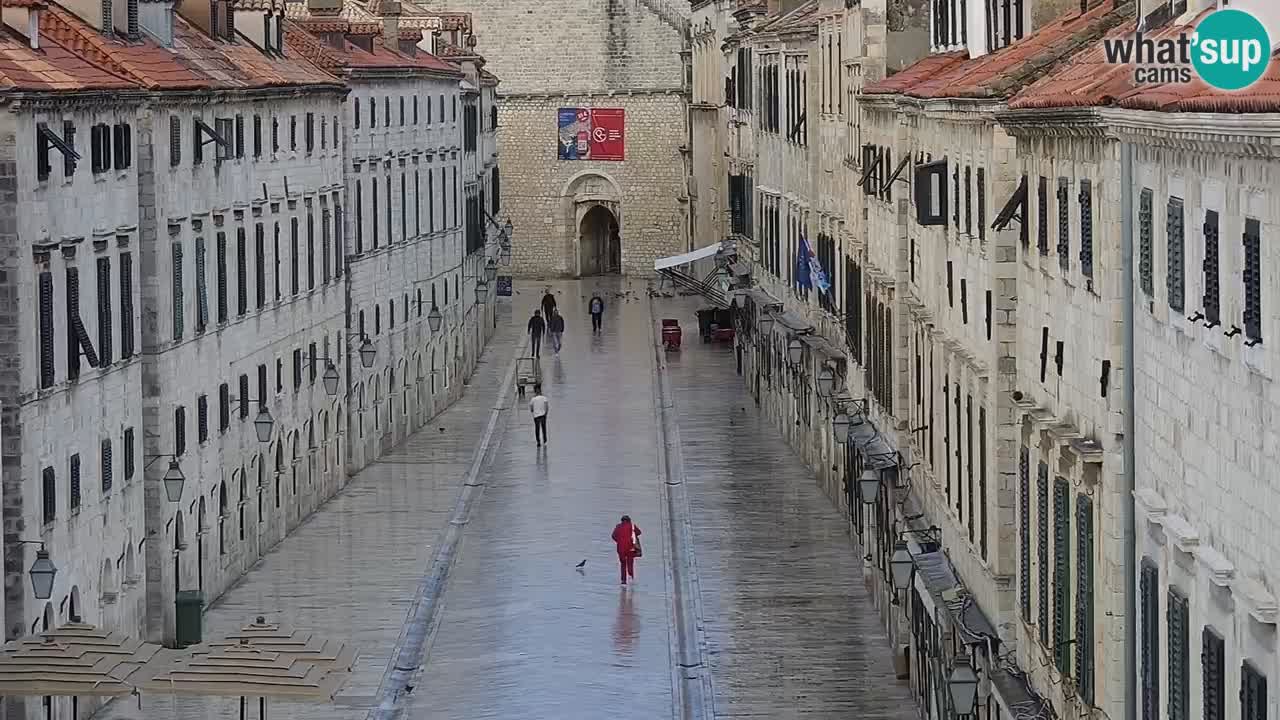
[581, 564]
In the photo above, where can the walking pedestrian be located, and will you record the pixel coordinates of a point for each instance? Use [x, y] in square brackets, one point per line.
[548, 304]
[596, 308]
[536, 327]
[555, 326]
[539, 407]
[626, 536]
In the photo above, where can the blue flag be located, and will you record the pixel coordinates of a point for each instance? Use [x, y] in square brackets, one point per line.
[808, 267]
[803, 280]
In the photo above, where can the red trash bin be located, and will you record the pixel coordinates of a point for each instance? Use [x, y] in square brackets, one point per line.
[671, 335]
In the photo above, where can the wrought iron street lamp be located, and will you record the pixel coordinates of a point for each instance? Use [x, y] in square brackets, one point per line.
[263, 424]
[963, 686]
[766, 323]
[173, 478]
[900, 565]
[840, 428]
[869, 486]
[330, 379]
[491, 269]
[506, 232]
[482, 291]
[795, 351]
[504, 256]
[42, 572]
[367, 354]
[434, 318]
[826, 381]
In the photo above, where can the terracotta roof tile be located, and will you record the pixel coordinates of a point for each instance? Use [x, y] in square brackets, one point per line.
[799, 18]
[23, 3]
[354, 57]
[52, 68]
[1002, 73]
[907, 78]
[1090, 81]
[144, 62]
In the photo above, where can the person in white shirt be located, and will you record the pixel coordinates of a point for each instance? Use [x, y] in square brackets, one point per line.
[539, 406]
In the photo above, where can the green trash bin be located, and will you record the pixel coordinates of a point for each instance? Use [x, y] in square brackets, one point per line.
[190, 618]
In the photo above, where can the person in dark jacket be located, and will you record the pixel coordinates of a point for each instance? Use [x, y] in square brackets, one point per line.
[596, 307]
[626, 536]
[536, 327]
[555, 326]
[548, 304]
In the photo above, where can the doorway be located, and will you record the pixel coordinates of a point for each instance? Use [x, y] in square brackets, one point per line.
[601, 246]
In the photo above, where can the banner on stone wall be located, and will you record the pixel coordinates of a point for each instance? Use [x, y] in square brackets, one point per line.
[591, 133]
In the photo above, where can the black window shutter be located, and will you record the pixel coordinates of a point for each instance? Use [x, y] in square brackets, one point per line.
[73, 320]
[1061, 574]
[49, 495]
[75, 482]
[1253, 693]
[293, 255]
[244, 397]
[242, 272]
[48, 352]
[220, 270]
[1064, 224]
[202, 418]
[1024, 532]
[179, 430]
[1042, 216]
[1146, 200]
[178, 296]
[202, 287]
[1149, 605]
[1084, 598]
[126, 305]
[239, 136]
[260, 264]
[1179, 651]
[257, 136]
[69, 138]
[104, 311]
[1042, 549]
[129, 456]
[1086, 228]
[1212, 307]
[107, 477]
[1213, 675]
[1175, 278]
[224, 407]
[1252, 280]
[982, 207]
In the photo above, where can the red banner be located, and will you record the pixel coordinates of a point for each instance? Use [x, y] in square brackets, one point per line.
[608, 140]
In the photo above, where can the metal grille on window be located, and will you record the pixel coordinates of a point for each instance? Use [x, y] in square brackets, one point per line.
[1042, 549]
[126, 305]
[1175, 279]
[1213, 675]
[1212, 299]
[202, 290]
[1084, 598]
[75, 481]
[1149, 639]
[1252, 281]
[1024, 532]
[1253, 693]
[1042, 216]
[178, 297]
[1086, 228]
[1064, 224]
[107, 477]
[1179, 651]
[1145, 235]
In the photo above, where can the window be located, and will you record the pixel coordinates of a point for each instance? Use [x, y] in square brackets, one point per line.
[202, 288]
[126, 305]
[311, 249]
[49, 495]
[310, 132]
[982, 481]
[239, 136]
[297, 368]
[359, 216]
[129, 457]
[1175, 279]
[275, 134]
[982, 205]
[1086, 228]
[1061, 574]
[48, 356]
[178, 299]
[324, 132]
[1042, 550]
[404, 208]
[104, 311]
[279, 376]
[275, 267]
[1253, 693]
[262, 386]
[242, 273]
[175, 141]
[1179, 661]
[75, 483]
[431, 200]
[387, 207]
[179, 430]
[373, 186]
[968, 200]
[1024, 533]
[224, 407]
[260, 264]
[293, 132]
[1145, 234]
[1064, 225]
[325, 269]
[1212, 298]
[243, 400]
[220, 270]
[1213, 675]
[417, 199]
[202, 418]
[386, 111]
[415, 109]
[105, 458]
[312, 362]
[1149, 639]
[257, 136]
[100, 148]
[293, 256]
[1252, 281]
[355, 113]
[402, 110]
[1084, 598]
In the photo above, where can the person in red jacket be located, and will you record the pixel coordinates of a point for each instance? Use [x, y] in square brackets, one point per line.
[626, 535]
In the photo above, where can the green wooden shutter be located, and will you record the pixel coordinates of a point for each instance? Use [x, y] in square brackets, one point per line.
[1042, 549]
[1061, 574]
[1213, 675]
[1178, 652]
[1150, 641]
[1253, 694]
[1084, 598]
[1024, 532]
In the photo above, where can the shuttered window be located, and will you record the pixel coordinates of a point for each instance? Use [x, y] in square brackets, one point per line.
[202, 288]
[373, 205]
[175, 141]
[262, 386]
[1064, 224]
[1252, 281]
[982, 481]
[293, 256]
[1042, 549]
[260, 264]
[257, 136]
[1253, 693]
[48, 352]
[1212, 298]
[179, 299]
[1084, 598]
[242, 272]
[74, 482]
[107, 477]
[1086, 228]
[129, 456]
[220, 270]
[243, 400]
[297, 368]
[968, 468]
[239, 136]
[179, 430]
[1176, 276]
[1024, 532]
[1149, 639]
[48, 495]
[1042, 216]
[1146, 233]
[1062, 574]
[325, 252]
[360, 216]
[202, 418]
[1179, 652]
[311, 250]
[126, 305]
[275, 258]
[417, 194]
[404, 207]
[224, 407]
[1213, 674]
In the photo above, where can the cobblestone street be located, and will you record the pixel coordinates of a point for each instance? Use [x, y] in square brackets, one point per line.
[508, 626]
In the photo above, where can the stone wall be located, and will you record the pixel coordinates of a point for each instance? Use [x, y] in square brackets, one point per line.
[547, 197]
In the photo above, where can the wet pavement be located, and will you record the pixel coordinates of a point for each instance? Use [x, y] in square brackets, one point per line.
[514, 630]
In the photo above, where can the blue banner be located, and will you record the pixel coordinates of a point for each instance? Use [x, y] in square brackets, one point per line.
[568, 134]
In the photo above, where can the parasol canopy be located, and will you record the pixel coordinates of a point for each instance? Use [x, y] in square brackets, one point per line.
[74, 660]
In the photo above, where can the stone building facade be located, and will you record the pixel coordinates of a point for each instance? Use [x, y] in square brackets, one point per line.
[584, 217]
[188, 242]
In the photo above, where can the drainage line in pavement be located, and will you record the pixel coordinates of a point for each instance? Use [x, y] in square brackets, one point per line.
[411, 647]
[696, 695]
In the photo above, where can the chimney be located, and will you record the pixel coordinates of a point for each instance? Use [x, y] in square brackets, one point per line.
[33, 27]
[771, 7]
[391, 24]
[156, 18]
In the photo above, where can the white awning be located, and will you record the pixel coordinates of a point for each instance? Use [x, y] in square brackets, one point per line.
[699, 254]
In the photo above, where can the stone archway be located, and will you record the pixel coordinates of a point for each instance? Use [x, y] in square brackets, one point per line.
[599, 242]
